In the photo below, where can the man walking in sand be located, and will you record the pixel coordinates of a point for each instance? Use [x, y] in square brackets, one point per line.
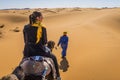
[63, 41]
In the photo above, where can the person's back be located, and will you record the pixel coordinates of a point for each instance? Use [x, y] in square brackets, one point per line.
[64, 39]
[35, 36]
[34, 49]
[30, 34]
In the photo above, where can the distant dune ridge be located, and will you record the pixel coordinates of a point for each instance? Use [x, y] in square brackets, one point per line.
[94, 40]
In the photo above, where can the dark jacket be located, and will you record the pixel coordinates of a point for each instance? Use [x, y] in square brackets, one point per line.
[30, 37]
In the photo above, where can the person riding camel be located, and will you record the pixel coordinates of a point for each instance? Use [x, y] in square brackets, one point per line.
[49, 48]
[35, 39]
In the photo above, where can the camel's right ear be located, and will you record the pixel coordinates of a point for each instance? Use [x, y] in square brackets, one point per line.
[18, 68]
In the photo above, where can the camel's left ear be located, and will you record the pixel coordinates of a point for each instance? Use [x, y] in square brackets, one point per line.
[19, 72]
[5, 77]
[10, 77]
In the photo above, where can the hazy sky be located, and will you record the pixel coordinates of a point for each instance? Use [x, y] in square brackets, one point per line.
[57, 3]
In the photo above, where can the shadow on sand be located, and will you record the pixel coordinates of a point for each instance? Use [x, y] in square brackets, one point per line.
[64, 65]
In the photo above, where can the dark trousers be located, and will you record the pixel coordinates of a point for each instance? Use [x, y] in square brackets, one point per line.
[56, 64]
[64, 49]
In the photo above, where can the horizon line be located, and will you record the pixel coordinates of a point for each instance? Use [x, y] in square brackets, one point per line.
[52, 8]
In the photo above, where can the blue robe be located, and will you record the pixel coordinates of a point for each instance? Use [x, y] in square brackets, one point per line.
[63, 41]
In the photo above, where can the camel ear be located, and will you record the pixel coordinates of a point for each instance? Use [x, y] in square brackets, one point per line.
[10, 77]
[18, 68]
[13, 77]
[5, 78]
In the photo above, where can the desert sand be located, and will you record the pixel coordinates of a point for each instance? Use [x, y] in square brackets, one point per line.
[94, 41]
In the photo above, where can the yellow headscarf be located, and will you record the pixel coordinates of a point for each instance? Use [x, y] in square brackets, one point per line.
[39, 31]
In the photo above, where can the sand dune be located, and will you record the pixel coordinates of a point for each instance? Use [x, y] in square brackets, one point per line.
[94, 41]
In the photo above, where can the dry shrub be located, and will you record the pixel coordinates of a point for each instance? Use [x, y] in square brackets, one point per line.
[16, 29]
[2, 25]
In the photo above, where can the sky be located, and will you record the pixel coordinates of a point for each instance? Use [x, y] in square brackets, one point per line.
[6, 4]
